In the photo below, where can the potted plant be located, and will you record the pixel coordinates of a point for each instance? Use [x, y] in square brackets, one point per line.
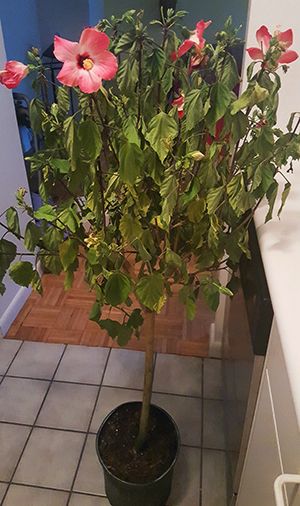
[151, 183]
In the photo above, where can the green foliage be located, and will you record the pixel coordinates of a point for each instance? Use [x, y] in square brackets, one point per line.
[117, 288]
[162, 131]
[144, 195]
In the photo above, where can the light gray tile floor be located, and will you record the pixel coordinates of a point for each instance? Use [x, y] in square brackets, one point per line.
[53, 399]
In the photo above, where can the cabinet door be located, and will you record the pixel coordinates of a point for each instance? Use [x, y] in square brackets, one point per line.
[262, 463]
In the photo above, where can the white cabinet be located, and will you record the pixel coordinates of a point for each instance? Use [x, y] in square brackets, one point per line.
[274, 443]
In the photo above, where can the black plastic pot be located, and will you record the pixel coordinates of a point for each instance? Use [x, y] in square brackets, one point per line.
[123, 493]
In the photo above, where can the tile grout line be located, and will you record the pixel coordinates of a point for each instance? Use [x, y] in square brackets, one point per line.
[33, 426]
[115, 386]
[87, 432]
[52, 489]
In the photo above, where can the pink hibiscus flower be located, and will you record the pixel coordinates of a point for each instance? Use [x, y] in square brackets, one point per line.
[87, 62]
[284, 40]
[13, 74]
[179, 103]
[197, 41]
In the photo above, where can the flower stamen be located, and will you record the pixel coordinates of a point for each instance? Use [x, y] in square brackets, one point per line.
[87, 64]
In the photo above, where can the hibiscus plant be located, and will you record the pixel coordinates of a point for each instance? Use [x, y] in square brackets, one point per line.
[153, 181]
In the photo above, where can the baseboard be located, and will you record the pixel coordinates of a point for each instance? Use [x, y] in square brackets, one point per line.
[13, 309]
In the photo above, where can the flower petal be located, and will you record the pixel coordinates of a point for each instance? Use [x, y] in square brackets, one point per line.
[106, 65]
[263, 37]
[255, 53]
[92, 41]
[201, 26]
[288, 57]
[69, 74]
[89, 81]
[184, 47]
[65, 49]
[286, 37]
[13, 74]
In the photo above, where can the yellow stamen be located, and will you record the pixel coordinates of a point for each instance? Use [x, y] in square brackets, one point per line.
[88, 64]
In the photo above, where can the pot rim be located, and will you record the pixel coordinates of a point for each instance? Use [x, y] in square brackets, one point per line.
[130, 483]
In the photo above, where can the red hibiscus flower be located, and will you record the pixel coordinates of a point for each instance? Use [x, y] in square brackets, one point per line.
[13, 74]
[284, 41]
[179, 103]
[87, 62]
[196, 41]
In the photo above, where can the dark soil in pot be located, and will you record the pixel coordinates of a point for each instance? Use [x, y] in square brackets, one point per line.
[116, 445]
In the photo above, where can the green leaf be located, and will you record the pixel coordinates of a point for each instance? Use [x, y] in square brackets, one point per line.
[52, 238]
[214, 198]
[21, 273]
[124, 42]
[168, 191]
[193, 107]
[36, 114]
[8, 251]
[71, 141]
[69, 279]
[271, 196]
[162, 131]
[131, 162]
[252, 96]
[220, 99]
[167, 80]
[95, 313]
[173, 259]
[127, 76]
[228, 72]
[196, 210]
[117, 330]
[51, 262]
[210, 293]
[135, 320]
[32, 236]
[117, 288]
[265, 141]
[63, 166]
[69, 218]
[130, 228]
[63, 99]
[130, 130]
[12, 220]
[239, 126]
[223, 289]
[150, 289]
[284, 196]
[90, 139]
[190, 307]
[156, 62]
[68, 251]
[45, 212]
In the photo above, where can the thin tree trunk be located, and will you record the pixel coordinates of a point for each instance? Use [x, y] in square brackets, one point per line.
[148, 380]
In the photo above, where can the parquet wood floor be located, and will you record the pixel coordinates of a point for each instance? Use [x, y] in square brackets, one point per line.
[61, 316]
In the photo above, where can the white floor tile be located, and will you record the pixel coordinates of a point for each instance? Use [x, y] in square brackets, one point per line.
[36, 360]
[90, 478]
[68, 406]
[20, 399]
[12, 441]
[125, 368]
[212, 379]
[82, 364]
[88, 500]
[50, 458]
[8, 349]
[213, 425]
[186, 482]
[178, 375]
[214, 478]
[19, 495]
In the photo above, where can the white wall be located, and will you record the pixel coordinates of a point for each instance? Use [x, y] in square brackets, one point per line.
[12, 175]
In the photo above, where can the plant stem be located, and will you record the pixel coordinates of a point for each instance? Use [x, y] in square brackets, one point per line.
[148, 380]
[101, 185]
